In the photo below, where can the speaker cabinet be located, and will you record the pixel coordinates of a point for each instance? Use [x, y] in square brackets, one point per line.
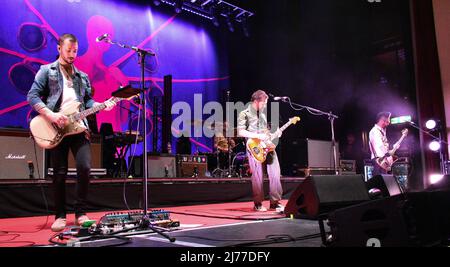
[387, 184]
[18, 159]
[307, 154]
[375, 223]
[159, 166]
[411, 219]
[96, 154]
[324, 193]
[163, 166]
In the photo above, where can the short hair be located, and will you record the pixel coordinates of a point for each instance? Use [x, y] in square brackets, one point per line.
[259, 95]
[67, 36]
[382, 114]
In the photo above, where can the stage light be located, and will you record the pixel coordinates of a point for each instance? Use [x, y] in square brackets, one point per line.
[156, 2]
[435, 178]
[178, 6]
[431, 124]
[215, 14]
[245, 28]
[434, 146]
[230, 24]
[215, 21]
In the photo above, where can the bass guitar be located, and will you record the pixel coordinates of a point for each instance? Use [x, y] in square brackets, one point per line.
[389, 159]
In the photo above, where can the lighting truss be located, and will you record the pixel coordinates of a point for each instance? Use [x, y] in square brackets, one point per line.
[210, 9]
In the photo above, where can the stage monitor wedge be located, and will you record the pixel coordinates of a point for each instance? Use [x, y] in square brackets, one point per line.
[320, 194]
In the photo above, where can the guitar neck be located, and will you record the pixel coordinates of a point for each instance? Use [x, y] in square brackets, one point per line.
[83, 114]
[287, 124]
[399, 143]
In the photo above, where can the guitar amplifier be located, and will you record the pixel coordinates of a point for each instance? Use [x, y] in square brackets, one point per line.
[96, 153]
[300, 156]
[97, 169]
[159, 166]
[192, 166]
[18, 155]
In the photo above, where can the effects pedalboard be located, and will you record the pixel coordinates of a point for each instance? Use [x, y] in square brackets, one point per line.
[113, 223]
[124, 220]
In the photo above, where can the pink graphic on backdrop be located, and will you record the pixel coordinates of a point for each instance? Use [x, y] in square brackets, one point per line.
[104, 79]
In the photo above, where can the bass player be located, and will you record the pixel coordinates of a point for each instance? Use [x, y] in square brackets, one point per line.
[381, 156]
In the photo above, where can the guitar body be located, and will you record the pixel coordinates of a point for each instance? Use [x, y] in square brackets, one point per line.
[48, 136]
[386, 162]
[260, 149]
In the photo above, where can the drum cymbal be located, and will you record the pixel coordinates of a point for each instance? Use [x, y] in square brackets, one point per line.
[221, 143]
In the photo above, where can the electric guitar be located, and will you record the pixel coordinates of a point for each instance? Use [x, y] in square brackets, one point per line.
[388, 160]
[259, 149]
[48, 135]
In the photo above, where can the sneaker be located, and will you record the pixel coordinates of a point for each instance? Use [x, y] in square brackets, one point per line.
[278, 208]
[80, 220]
[59, 225]
[260, 208]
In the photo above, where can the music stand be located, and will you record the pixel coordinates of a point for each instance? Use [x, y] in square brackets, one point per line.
[126, 92]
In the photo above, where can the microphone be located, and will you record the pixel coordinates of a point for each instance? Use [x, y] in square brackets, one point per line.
[102, 37]
[276, 98]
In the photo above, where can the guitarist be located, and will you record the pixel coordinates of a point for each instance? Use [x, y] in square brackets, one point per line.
[378, 143]
[252, 123]
[56, 85]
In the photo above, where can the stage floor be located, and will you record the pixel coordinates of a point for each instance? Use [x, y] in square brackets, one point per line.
[211, 225]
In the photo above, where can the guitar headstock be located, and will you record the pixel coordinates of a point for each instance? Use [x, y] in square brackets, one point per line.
[294, 120]
[404, 132]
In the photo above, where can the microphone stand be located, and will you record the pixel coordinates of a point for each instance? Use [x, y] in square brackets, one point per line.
[436, 138]
[145, 221]
[331, 118]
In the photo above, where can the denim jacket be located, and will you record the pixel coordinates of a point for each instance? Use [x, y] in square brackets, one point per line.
[47, 88]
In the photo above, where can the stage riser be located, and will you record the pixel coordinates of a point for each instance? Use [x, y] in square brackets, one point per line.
[22, 200]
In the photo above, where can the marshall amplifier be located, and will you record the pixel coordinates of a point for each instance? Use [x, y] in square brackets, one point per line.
[18, 157]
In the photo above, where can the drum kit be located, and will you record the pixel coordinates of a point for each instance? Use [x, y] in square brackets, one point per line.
[229, 158]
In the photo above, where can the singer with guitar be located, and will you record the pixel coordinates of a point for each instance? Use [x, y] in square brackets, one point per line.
[252, 124]
[56, 87]
[381, 156]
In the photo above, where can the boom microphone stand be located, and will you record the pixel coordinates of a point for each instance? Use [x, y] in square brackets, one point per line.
[316, 112]
[145, 221]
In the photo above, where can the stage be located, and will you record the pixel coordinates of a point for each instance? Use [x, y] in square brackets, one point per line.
[24, 198]
[210, 225]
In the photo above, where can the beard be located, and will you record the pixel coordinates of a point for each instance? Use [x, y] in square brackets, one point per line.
[67, 61]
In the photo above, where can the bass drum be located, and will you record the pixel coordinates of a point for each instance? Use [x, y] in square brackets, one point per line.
[240, 146]
[240, 165]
